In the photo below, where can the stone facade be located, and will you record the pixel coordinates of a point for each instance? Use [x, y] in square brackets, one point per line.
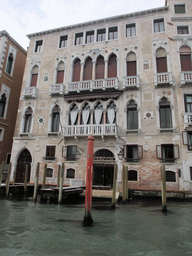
[125, 80]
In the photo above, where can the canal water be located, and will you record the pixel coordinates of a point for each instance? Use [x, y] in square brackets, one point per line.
[139, 228]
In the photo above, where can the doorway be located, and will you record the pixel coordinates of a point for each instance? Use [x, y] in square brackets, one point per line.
[23, 160]
[103, 175]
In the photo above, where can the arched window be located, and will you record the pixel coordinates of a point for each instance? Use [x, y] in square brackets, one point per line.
[55, 119]
[161, 60]
[170, 176]
[76, 70]
[70, 173]
[111, 115]
[87, 74]
[131, 64]
[112, 66]
[165, 113]
[85, 114]
[9, 63]
[2, 105]
[185, 58]
[98, 113]
[73, 115]
[60, 73]
[34, 76]
[132, 115]
[27, 120]
[100, 68]
[132, 175]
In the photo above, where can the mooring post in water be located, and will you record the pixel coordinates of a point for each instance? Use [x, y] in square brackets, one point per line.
[8, 179]
[88, 221]
[36, 183]
[25, 181]
[1, 171]
[163, 189]
[114, 186]
[58, 175]
[14, 173]
[126, 184]
[44, 176]
[61, 184]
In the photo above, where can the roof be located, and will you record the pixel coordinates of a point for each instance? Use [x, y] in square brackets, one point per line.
[113, 18]
[5, 33]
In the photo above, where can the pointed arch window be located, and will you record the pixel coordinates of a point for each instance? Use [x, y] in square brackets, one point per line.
[27, 120]
[185, 58]
[73, 115]
[165, 113]
[132, 116]
[76, 70]
[60, 73]
[55, 119]
[161, 60]
[9, 64]
[98, 113]
[100, 68]
[131, 64]
[111, 115]
[2, 105]
[112, 66]
[87, 73]
[34, 76]
[86, 114]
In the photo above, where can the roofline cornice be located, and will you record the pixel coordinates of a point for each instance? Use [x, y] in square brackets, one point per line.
[124, 16]
[5, 33]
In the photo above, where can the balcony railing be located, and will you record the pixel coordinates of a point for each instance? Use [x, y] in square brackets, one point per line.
[186, 77]
[30, 92]
[163, 79]
[85, 130]
[57, 89]
[131, 81]
[187, 119]
[91, 85]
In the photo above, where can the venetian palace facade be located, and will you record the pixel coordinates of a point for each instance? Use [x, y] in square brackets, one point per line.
[127, 80]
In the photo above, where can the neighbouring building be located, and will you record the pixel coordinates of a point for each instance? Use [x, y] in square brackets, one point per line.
[128, 80]
[12, 64]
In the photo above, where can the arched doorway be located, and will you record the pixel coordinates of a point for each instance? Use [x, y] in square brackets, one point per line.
[103, 168]
[24, 159]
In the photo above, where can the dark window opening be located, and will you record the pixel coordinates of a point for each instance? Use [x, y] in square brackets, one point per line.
[132, 175]
[63, 42]
[170, 176]
[191, 172]
[131, 30]
[101, 33]
[50, 153]
[8, 158]
[49, 173]
[132, 153]
[70, 173]
[9, 64]
[168, 153]
[55, 119]
[179, 8]
[113, 34]
[71, 153]
[159, 25]
[2, 105]
[89, 37]
[188, 103]
[182, 30]
[79, 39]
[132, 116]
[165, 114]
[28, 120]
[38, 45]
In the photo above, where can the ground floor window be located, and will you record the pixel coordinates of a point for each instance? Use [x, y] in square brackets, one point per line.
[70, 173]
[170, 176]
[132, 175]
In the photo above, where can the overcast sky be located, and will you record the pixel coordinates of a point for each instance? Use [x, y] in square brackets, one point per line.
[22, 17]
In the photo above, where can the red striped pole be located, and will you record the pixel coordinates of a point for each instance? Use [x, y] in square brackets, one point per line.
[88, 221]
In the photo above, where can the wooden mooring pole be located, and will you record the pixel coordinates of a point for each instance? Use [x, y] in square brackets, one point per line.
[44, 176]
[88, 221]
[113, 206]
[25, 181]
[8, 180]
[58, 175]
[1, 171]
[61, 184]
[14, 174]
[163, 189]
[126, 184]
[36, 183]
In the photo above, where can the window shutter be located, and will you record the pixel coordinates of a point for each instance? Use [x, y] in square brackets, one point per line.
[176, 151]
[88, 69]
[158, 152]
[76, 70]
[140, 151]
[60, 76]
[185, 138]
[185, 62]
[131, 68]
[161, 64]
[100, 68]
[125, 151]
[34, 78]
[112, 67]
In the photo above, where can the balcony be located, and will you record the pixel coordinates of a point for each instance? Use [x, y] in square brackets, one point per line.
[187, 120]
[186, 77]
[131, 82]
[85, 130]
[56, 89]
[163, 79]
[91, 85]
[30, 92]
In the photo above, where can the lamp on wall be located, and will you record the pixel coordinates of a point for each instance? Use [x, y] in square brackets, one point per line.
[120, 154]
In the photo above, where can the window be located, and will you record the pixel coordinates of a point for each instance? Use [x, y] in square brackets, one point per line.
[100, 68]
[60, 73]
[34, 76]
[2, 105]
[188, 103]
[98, 114]
[131, 30]
[113, 34]
[165, 114]
[49, 173]
[89, 37]
[112, 66]
[159, 25]
[132, 175]
[88, 67]
[1, 134]
[132, 153]
[187, 139]
[168, 153]
[71, 153]
[38, 46]
[55, 119]
[146, 65]
[182, 30]
[79, 39]
[185, 58]
[170, 176]
[63, 42]
[70, 173]
[76, 70]
[9, 64]
[101, 33]
[132, 116]
[131, 64]
[179, 8]
[161, 60]
[50, 153]
[111, 114]
[191, 173]
[73, 115]
[27, 120]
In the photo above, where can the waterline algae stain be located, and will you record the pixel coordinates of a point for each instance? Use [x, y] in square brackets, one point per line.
[132, 229]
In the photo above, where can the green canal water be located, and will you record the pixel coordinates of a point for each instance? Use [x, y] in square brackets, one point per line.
[132, 229]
